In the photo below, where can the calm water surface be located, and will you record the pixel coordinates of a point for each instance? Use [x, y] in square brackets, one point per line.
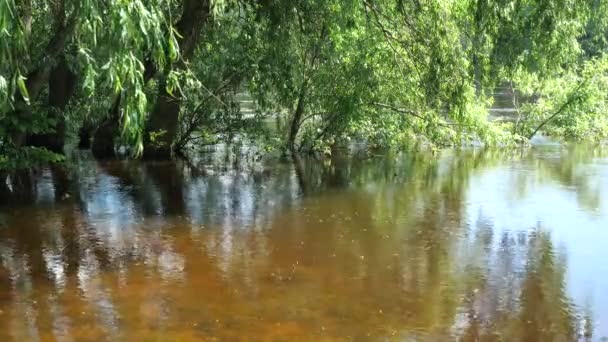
[469, 245]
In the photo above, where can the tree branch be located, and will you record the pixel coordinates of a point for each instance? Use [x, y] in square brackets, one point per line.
[573, 96]
[400, 110]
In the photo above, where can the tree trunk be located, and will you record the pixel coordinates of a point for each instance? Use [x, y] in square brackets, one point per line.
[39, 76]
[5, 192]
[103, 138]
[478, 41]
[161, 129]
[61, 87]
[163, 120]
[477, 74]
[34, 84]
[296, 120]
[85, 135]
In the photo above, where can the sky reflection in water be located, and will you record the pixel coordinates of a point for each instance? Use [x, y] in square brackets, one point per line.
[478, 245]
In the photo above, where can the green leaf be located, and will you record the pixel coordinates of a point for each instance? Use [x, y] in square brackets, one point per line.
[23, 89]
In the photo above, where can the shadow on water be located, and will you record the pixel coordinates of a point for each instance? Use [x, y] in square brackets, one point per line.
[393, 246]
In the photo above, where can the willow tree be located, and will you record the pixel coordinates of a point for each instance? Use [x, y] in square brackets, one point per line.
[386, 71]
[27, 67]
[535, 47]
[427, 93]
[218, 72]
[161, 74]
[108, 43]
[163, 120]
[300, 48]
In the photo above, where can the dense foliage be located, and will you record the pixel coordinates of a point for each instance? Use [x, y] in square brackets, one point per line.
[160, 77]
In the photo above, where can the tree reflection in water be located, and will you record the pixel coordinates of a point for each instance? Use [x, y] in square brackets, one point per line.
[352, 247]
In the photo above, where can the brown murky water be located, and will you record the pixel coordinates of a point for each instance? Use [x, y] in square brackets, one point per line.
[477, 245]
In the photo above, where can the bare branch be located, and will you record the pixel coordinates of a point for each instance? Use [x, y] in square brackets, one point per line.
[571, 98]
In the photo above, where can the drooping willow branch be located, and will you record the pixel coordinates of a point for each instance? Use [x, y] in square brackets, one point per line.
[390, 37]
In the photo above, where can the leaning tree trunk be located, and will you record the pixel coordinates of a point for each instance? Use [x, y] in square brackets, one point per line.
[296, 121]
[39, 76]
[161, 129]
[61, 87]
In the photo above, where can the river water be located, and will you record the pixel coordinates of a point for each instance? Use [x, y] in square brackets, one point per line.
[472, 245]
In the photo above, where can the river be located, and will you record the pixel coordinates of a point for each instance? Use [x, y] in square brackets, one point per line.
[473, 245]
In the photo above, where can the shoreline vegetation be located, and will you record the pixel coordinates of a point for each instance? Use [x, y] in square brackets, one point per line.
[158, 79]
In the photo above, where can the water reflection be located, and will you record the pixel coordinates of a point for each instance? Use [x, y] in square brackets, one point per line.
[470, 245]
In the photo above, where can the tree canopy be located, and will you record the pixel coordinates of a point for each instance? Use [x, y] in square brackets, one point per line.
[164, 77]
